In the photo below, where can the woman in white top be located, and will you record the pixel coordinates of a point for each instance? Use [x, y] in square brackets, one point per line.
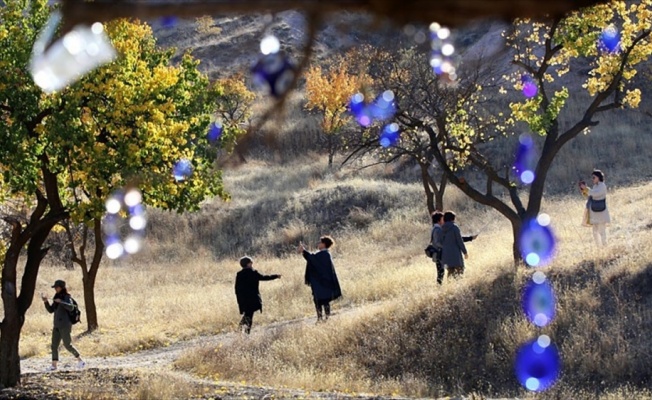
[597, 207]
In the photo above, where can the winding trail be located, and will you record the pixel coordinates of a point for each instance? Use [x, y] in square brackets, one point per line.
[161, 359]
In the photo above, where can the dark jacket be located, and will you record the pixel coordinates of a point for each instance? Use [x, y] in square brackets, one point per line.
[436, 237]
[247, 291]
[452, 245]
[321, 276]
[60, 310]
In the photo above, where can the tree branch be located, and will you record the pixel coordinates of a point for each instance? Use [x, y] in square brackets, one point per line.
[41, 206]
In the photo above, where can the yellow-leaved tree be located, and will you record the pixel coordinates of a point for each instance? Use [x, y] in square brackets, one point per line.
[328, 91]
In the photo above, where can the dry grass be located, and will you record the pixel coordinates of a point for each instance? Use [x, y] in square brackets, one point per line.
[396, 331]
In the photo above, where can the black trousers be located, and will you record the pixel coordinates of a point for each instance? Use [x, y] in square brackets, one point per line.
[246, 321]
[323, 306]
[440, 271]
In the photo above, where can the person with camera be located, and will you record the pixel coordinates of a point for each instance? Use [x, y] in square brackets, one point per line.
[61, 307]
[596, 214]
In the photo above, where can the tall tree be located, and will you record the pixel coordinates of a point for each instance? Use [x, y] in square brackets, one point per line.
[129, 121]
[459, 131]
[419, 95]
[26, 170]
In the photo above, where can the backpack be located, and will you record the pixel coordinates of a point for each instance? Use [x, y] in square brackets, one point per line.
[75, 313]
[431, 250]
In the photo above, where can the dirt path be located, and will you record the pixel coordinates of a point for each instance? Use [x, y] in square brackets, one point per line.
[160, 357]
[162, 360]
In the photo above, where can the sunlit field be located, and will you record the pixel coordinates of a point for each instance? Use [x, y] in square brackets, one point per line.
[395, 331]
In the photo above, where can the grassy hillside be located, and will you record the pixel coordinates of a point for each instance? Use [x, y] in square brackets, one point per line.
[461, 338]
[395, 331]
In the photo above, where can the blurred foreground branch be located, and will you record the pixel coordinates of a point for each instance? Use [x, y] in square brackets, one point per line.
[447, 12]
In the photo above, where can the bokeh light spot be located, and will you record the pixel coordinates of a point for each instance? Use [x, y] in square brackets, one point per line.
[114, 251]
[133, 197]
[381, 109]
[113, 205]
[215, 131]
[182, 170]
[115, 225]
[544, 341]
[527, 176]
[543, 219]
[169, 21]
[274, 72]
[538, 303]
[532, 384]
[609, 40]
[389, 136]
[538, 277]
[537, 243]
[537, 370]
[270, 45]
[533, 259]
[525, 161]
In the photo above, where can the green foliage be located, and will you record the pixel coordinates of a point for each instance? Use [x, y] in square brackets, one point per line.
[545, 50]
[125, 123]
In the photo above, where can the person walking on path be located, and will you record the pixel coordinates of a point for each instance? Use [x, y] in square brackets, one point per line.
[452, 246]
[436, 237]
[61, 307]
[247, 292]
[596, 212]
[321, 277]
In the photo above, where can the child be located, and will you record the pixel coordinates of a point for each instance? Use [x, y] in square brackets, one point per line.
[247, 292]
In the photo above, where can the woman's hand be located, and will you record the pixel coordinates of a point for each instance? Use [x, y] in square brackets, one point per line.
[57, 300]
[44, 297]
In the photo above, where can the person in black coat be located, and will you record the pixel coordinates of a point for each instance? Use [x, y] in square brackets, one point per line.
[247, 291]
[321, 277]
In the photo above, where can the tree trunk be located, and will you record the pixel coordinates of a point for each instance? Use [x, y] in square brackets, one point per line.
[439, 199]
[15, 306]
[89, 303]
[430, 195]
[11, 324]
[331, 148]
[90, 275]
[516, 252]
[9, 359]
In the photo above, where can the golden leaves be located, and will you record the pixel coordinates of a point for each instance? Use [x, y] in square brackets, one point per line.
[329, 93]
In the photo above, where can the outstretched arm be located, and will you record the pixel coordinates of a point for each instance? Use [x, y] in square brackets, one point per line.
[469, 238]
[308, 256]
[262, 277]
